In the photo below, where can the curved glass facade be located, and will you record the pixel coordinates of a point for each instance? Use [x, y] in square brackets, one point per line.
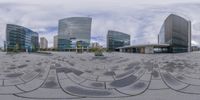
[19, 37]
[63, 43]
[176, 31]
[117, 39]
[75, 29]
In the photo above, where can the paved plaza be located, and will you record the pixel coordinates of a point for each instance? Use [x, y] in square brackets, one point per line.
[116, 76]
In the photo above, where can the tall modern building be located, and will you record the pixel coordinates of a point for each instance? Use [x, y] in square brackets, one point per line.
[20, 38]
[43, 43]
[95, 45]
[63, 43]
[76, 30]
[35, 41]
[117, 39]
[55, 42]
[176, 31]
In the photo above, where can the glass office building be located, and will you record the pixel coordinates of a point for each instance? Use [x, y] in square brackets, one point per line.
[75, 29]
[176, 31]
[21, 38]
[117, 39]
[63, 43]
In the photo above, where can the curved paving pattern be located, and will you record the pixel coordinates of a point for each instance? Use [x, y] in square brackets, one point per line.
[75, 76]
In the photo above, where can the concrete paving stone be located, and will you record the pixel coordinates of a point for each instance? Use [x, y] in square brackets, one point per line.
[136, 88]
[124, 82]
[51, 83]
[146, 77]
[124, 74]
[155, 74]
[6, 90]
[76, 89]
[98, 72]
[22, 66]
[29, 76]
[52, 72]
[172, 82]
[116, 67]
[76, 71]
[123, 60]
[89, 77]
[140, 72]
[157, 85]
[191, 89]
[39, 70]
[39, 64]
[69, 70]
[12, 68]
[193, 75]
[62, 76]
[15, 81]
[89, 71]
[109, 73]
[31, 85]
[14, 75]
[86, 92]
[3, 76]
[26, 70]
[118, 72]
[93, 84]
[132, 65]
[44, 93]
[1, 82]
[75, 78]
[44, 74]
[105, 78]
[187, 80]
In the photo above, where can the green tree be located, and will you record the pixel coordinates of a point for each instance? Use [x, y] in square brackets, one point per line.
[16, 49]
[79, 46]
[97, 51]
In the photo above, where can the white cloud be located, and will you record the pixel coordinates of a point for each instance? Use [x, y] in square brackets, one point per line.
[141, 19]
[195, 43]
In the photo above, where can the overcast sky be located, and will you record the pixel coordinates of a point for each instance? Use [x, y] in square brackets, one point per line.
[142, 19]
